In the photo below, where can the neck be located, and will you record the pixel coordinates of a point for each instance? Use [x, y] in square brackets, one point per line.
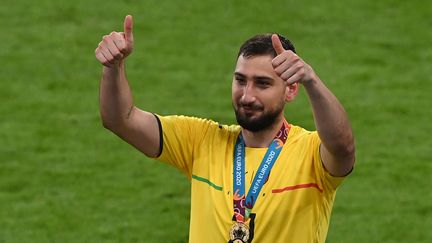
[263, 138]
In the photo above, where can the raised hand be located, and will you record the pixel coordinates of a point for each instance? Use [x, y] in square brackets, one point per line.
[117, 45]
[289, 66]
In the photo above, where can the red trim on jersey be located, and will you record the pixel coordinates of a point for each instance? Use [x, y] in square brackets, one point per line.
[300, 186]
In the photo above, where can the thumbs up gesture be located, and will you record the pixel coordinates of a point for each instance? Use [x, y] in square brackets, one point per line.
[116, 46]
[289, 66]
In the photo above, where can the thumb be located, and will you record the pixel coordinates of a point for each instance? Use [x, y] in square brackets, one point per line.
[277, 45]
[128, 24]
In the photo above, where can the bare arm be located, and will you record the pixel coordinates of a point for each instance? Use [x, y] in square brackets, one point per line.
[138, 128]
[337, 148]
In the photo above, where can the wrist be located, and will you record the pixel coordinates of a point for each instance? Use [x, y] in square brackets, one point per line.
[313, 81]
[115, 67]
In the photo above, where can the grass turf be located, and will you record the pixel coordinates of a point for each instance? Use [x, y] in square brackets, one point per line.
[63, 178]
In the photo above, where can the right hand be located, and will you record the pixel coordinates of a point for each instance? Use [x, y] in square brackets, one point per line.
[116, 46]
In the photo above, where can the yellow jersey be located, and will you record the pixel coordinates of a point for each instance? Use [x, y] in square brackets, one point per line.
[294, 204]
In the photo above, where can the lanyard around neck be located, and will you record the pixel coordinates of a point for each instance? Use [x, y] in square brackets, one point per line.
[243, 204]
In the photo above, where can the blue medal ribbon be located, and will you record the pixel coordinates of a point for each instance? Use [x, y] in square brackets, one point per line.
[243, 205]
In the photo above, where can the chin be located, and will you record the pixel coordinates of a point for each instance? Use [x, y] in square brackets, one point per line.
[255, 122]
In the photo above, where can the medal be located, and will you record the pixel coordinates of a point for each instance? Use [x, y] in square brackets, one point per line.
[242, 202]
[239, 233]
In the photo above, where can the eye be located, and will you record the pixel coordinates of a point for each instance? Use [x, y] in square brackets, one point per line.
[240, 81]
[263, 83]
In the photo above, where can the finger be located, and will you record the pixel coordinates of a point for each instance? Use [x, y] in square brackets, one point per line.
[296, 77]
[277, 45]
[287, 56]
[112, 48]
[128, 25]
[286, 62]
[290, 72]
[278, 60]
[102, 59]
[119, 41]
[106, 53]
[282, 67]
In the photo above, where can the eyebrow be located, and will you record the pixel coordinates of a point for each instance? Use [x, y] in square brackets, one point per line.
[239, 74]
[266, 78]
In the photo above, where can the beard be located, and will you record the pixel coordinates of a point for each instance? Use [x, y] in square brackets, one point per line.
[262, 122]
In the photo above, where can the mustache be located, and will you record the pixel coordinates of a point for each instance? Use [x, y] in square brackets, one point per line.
[251, 106]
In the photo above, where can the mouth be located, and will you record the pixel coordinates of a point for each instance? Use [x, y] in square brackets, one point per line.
[249, 109]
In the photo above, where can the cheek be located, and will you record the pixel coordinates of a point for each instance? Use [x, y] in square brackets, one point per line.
[235, 93]
[274, 99]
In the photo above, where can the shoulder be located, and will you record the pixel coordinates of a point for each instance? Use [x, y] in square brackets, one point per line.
[183, 123]
[298, 133]
[303, 141]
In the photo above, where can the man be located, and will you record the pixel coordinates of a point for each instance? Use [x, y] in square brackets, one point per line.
[263, 181]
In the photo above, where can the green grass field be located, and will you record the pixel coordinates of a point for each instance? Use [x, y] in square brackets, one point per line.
[63, 178]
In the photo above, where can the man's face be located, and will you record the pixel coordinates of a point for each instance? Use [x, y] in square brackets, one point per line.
[258, 93]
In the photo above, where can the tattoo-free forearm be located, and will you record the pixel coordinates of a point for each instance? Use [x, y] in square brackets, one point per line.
[331, 120]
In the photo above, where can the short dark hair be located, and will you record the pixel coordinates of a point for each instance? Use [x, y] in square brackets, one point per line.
[260, 45]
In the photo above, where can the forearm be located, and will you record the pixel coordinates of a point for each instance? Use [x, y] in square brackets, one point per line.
[116, 102]
[337, 141]
[331, 120]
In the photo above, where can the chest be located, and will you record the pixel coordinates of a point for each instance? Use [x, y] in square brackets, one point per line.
[292, 178]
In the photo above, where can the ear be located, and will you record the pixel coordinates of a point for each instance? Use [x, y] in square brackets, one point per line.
[291, 92]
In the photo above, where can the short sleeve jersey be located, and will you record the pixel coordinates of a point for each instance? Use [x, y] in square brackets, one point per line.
[294, 204]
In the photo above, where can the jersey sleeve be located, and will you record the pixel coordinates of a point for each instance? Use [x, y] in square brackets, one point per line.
[180, 138]
[329, 181]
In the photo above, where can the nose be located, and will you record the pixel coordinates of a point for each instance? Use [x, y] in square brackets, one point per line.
[248, 96]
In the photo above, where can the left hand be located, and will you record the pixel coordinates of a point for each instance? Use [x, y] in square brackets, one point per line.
[289, 66]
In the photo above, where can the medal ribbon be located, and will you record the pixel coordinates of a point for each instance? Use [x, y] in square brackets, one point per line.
[243, 205]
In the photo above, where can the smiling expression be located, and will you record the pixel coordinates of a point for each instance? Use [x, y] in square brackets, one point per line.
[258, 93]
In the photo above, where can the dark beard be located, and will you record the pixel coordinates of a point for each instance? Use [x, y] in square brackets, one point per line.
[260, 123]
